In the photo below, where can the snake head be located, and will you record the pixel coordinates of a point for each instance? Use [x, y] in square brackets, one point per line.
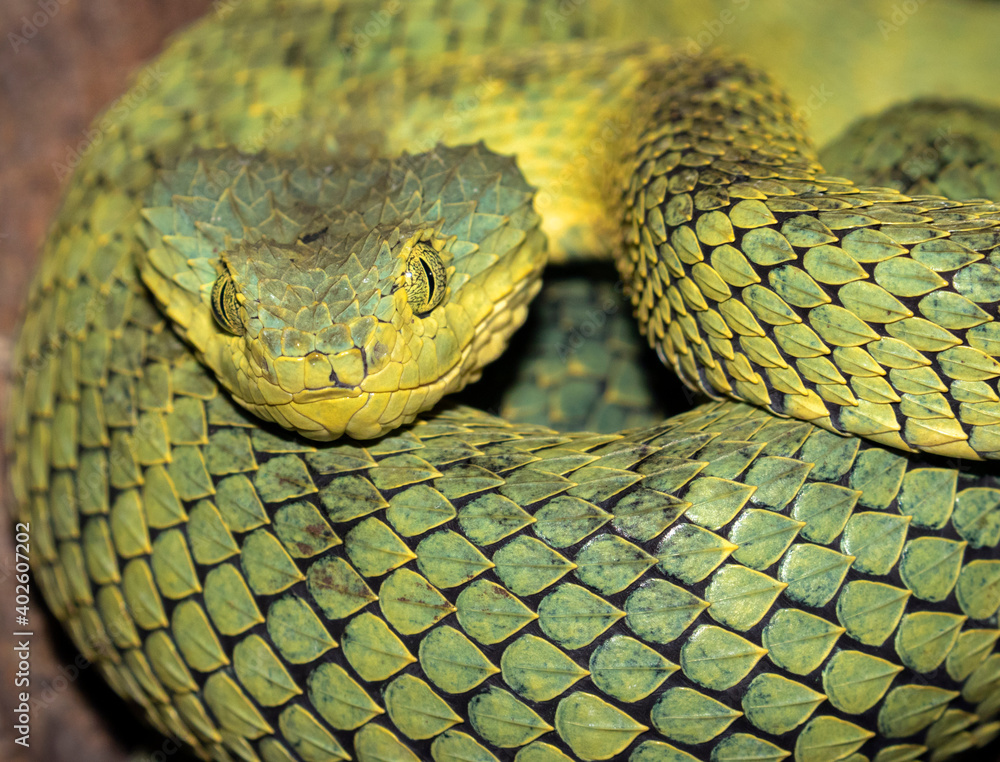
[338, 298]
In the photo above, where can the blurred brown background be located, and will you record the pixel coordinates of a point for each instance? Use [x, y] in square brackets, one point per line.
[76, 62]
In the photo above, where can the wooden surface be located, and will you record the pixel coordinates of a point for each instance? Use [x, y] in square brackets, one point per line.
[77, 61]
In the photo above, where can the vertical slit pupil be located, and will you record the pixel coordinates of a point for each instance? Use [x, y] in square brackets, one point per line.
[430, 280]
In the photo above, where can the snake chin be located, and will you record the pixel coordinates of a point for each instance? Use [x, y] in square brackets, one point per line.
[331, 413]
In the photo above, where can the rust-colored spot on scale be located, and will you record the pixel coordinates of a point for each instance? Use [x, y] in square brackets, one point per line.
[316, 530]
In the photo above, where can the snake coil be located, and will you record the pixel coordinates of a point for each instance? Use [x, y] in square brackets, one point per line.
[224, 348]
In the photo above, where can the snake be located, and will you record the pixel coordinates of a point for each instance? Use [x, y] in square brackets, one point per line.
[252, 509]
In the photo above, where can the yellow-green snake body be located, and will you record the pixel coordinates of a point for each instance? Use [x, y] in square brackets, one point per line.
[308, 230]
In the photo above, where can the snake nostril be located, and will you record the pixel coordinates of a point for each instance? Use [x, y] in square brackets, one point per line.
[310, 237]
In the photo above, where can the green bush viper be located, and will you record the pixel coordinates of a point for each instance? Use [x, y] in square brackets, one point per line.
[331, 240]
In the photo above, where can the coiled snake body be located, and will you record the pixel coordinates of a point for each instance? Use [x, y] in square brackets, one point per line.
[728, 584]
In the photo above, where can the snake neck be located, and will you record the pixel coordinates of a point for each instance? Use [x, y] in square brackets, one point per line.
[758, 277]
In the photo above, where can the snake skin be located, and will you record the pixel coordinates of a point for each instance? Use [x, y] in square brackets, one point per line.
[724, 585]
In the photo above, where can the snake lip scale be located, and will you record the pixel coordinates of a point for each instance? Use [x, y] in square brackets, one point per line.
[249, 510]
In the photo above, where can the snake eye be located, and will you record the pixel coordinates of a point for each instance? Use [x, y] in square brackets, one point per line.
[426, 281]
[225, 308]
